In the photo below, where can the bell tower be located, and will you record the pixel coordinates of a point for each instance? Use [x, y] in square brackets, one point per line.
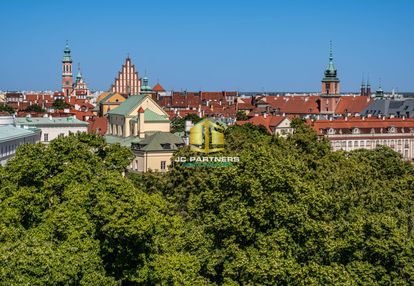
[330, 88]
[67, 78]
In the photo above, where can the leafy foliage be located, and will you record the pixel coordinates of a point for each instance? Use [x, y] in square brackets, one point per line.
[34, 108]
[177, 124]
[6, 108]
[241, 115]
[60, 104]
[291, 212]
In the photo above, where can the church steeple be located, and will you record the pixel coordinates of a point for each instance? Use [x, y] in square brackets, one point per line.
[363, 90]
[330, 87]
[67, 80]
[79, 75]
[330, 82]
[368, 90]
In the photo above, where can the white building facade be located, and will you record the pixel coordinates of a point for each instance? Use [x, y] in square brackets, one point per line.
[52, 128]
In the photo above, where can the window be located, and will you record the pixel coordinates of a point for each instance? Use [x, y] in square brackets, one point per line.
[46, 137]
[163, 165]
[166, 146]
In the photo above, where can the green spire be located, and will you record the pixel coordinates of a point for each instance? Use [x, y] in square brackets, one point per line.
[79, 75]
[66, 53]
[330, 72]
[331, 67]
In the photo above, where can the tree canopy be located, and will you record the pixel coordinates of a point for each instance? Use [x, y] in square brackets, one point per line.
[34, 108]
[291, 212]
[60, 104]
[177, 124]
[6, 108]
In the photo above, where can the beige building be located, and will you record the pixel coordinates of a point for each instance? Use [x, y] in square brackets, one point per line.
[368, 133]
[141, 124]
[137, 115]
[155, 152]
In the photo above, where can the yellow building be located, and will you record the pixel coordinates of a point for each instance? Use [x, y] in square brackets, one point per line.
[155, 152]
[137, 115]
[107, 101]
[141, 124]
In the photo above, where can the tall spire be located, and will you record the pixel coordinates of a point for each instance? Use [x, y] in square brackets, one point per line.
[79, 75]
[331, 67]
[66, 53]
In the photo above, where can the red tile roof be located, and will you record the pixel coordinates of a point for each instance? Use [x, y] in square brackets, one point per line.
[266, 121]
[98, 125]
[158, 88]
[352, 104]
[360, 123]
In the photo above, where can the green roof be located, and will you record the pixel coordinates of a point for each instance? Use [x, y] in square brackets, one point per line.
[159, 141]
[39, 121]
[151, 116]
[126, 107]
[9, 133]
[123, 141]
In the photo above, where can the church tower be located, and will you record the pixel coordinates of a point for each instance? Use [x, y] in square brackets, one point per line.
[330, 88]
[67, 72]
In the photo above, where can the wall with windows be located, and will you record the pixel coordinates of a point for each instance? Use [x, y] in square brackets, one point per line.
[155, 161]
[401, 144]
[50, 133]
[8, 148]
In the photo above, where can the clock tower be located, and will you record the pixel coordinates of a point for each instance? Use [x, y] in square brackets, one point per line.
[67, 80]
[330, 88]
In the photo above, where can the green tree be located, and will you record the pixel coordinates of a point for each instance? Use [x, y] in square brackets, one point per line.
[6, 108]
[69, 217]
[34, 108]
[60, 104]
[294, 213]
[241, 115]
[177, 124]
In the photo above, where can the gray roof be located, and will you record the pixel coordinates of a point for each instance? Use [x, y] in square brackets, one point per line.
[387, 107]
[159, 141]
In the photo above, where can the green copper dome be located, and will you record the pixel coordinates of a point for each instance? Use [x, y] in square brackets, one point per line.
[145, 87]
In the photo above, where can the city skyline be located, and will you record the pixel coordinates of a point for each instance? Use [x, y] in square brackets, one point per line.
[246, 47]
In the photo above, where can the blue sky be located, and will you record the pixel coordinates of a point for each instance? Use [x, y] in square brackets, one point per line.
[209, 45]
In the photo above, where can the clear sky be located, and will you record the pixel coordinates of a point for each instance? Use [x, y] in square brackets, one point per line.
[211, 45]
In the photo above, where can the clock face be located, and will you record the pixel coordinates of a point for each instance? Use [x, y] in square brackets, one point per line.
[67, 82]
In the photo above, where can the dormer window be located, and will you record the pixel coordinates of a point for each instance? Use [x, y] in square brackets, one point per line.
[331, 131]
[392, 129]
[166, 146]
[356, 131]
